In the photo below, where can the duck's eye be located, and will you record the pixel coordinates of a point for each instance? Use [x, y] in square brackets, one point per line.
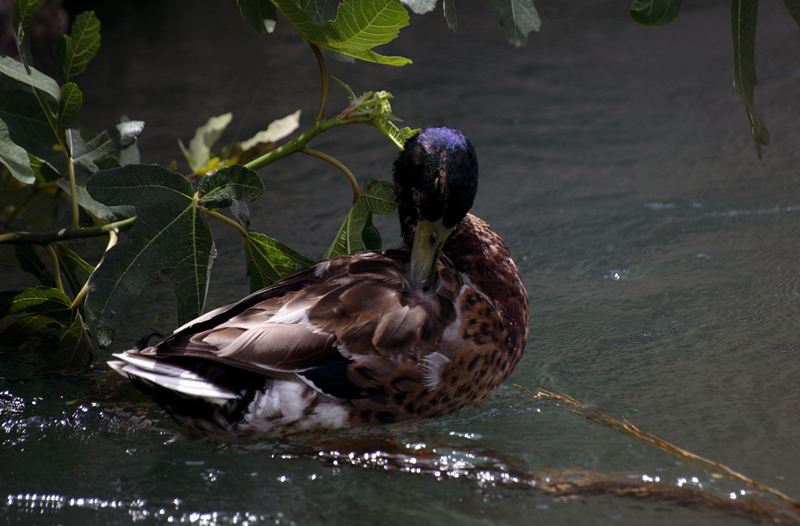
[433, 238]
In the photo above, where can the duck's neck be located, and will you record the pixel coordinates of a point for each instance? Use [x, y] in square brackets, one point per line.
[480, 253]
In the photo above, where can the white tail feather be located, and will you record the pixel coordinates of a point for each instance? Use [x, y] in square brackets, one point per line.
[170, 377]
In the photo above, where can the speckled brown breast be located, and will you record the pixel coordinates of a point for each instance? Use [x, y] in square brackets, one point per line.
[483, 343]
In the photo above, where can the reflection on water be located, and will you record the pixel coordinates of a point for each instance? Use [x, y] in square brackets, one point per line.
[660, 256]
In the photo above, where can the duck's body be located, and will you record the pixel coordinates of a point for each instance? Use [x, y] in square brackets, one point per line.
[357, 339]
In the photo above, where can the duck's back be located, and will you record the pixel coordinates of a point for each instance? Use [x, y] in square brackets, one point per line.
[347, 341]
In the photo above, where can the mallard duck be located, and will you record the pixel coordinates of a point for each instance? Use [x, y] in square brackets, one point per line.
[374, 337]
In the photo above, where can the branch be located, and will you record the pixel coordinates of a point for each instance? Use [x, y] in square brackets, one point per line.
[338, 164]
[44, 238]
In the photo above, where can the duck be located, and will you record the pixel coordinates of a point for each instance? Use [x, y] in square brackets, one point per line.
[376, 337]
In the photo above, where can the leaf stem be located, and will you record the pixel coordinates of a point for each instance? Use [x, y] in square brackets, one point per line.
[323, 79]
[73, 190]
[297, 144]
[44, 238]
[338, 164]
[112, 240]
[56, 267]
[225, 219]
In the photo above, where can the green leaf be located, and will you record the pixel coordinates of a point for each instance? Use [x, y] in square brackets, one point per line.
[269, 260]
[421, 7]
[517, 19]
[43, 301]
[24, 11]
[450, 14]
[277, 130]
[744, 14]
[377, 198]
[24, 327]
[42, 170]
[654, 12]
[260, 14]
[221, 189]
[359, 26]
[170, 235]
[794, 9]
[321, 11]
[30, 262]
[27, 124]
[35, 79]
[108, 143]
[372, 236]
[73, 265]
[14, 157]
[74, 349]
[71, 104]
[97, 209]
[78, 48]
[199, 151]
[376, 106]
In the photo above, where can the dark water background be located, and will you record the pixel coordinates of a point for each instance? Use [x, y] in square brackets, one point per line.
[660, 256]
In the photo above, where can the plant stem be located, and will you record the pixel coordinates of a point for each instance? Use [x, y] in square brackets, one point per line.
[73, 190]
[338, 164]
[304, 138]
[44, 238]
[225, 219]
[112, 240]
[323, 79]
[56, 267]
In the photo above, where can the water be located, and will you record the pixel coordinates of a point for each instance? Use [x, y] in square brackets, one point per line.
[659, 254]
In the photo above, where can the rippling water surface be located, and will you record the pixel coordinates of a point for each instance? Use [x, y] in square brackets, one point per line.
[661, 258]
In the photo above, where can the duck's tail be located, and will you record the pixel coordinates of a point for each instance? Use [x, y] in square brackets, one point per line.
[151, 372]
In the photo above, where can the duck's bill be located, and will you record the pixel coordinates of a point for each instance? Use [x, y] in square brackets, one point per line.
[428, 242]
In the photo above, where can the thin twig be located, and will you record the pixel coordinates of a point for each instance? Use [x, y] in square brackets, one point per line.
[44, 238]
[323, 80]
[225, 219]
[338, 164]
[598, 416]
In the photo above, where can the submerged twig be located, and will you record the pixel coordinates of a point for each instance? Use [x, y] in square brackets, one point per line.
[596, 415]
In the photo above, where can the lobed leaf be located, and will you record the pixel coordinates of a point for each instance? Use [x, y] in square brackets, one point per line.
[71, 105]
[199, 151]
[234, 183]
[14, 157]
[269, 260]
[744, 14]
[30, 262]
[377, 198]
[24, 11]
[24, 327]
[74, 349]
[359, 26]
[78, 48]
[517, 19]
[42, 170]
[26, 123]
[107, 143]
[260, 14]
[654, 12]
[276, 130]
[321, 11]
[33, 78]
[170, 235]
[41, 301]
[72, 264]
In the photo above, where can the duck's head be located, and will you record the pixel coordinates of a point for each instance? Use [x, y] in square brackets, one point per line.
[436, 178]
